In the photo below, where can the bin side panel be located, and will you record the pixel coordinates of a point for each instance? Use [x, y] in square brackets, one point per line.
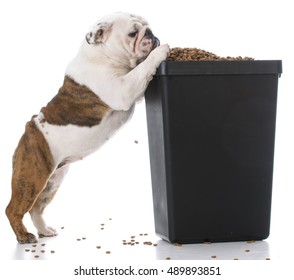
[222, 131]
[156, 131]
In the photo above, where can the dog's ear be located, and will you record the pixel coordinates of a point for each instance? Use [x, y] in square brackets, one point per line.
[99, 33]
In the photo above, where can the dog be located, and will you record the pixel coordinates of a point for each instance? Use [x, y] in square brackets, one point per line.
[116, 60]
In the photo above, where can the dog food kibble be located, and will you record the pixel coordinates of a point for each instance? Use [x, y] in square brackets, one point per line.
[52, 251]
[108, 252]
[27, 250]
[192, 54]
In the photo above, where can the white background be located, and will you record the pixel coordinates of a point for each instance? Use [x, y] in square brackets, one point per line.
[39, 38]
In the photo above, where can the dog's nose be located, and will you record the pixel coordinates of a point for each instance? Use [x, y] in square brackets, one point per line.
[148, 33]
[156, 42]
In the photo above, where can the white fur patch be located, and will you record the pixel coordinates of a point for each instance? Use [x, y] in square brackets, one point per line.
[71, 142]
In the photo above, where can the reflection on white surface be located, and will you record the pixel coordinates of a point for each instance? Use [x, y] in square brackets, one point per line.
[258, 250]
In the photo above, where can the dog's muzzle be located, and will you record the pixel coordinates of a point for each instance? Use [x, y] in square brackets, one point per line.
[155, 40]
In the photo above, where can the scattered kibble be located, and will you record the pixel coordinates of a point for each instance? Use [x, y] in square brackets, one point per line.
[108, 252]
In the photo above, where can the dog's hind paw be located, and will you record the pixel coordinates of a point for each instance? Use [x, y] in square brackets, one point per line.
[27, 238]
[48, 232]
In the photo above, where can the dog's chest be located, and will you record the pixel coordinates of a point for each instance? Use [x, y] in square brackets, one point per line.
[76, 122]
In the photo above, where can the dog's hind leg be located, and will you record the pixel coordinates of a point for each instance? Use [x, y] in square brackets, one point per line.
[44, 199]
[32, 167]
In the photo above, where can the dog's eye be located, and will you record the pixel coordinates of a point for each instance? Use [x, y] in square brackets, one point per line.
[133, 34]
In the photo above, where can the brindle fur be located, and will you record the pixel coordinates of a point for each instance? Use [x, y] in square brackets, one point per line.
[32, 166]
[36, 177]
[75, 104]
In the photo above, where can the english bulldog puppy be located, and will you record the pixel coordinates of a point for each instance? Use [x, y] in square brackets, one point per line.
[110, 72]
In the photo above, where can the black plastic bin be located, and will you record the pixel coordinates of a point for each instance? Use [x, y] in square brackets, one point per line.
[211, 130]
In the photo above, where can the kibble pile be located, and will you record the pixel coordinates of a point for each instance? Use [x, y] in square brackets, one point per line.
[194, 54]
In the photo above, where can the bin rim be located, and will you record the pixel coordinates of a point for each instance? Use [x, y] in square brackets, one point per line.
[219, 67]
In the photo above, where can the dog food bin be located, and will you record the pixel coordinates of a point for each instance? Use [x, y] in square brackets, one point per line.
[211, 131]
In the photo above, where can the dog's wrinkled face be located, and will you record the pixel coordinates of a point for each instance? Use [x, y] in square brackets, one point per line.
[124, 36]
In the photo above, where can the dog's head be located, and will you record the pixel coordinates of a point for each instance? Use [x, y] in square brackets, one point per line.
[123, 35]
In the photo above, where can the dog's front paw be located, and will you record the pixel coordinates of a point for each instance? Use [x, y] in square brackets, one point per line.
[160, 53]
